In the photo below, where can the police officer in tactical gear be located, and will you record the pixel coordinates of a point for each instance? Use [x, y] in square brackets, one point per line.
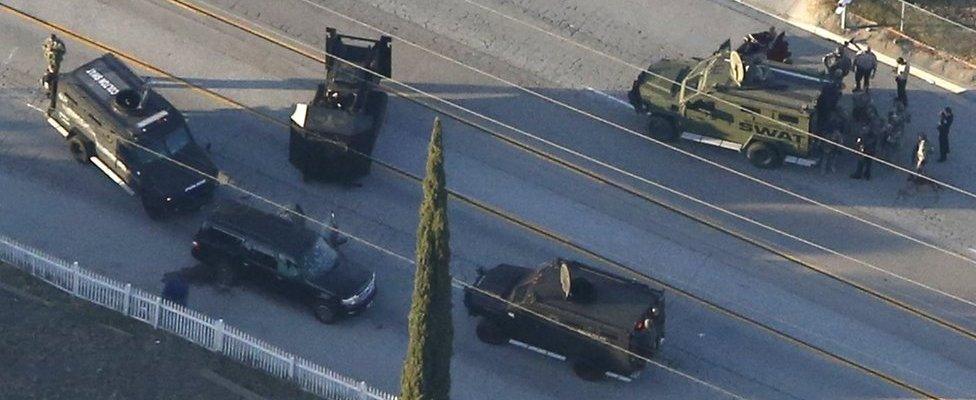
[865, 65]
[837, 63]
[866, 143]
[53, 53]
[945, 122]
[175, 288]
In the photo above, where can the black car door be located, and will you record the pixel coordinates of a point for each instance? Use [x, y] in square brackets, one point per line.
[259, 264]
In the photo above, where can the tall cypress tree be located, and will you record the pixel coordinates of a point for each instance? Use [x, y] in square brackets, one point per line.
[427, 367]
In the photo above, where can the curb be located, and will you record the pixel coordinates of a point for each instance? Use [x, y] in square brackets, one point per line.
[839, 39]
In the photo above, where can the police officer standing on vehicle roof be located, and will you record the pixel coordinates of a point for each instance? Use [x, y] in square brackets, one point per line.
[865, 65]
[53, 53]
[945, 122]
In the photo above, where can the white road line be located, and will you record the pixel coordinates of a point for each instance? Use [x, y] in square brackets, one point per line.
[9, 57]
[972, 250]
[33, 107]
[604, 94]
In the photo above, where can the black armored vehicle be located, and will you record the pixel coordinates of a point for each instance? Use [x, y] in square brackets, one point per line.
[331, 135]
[280, 253]
[113, 119]
[608, 308]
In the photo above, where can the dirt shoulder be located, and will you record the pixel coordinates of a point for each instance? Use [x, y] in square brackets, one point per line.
[962, 11]
[53, 346]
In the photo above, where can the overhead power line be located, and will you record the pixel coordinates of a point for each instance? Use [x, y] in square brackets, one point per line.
[455, 281]
[724, 101]
[689, 295]
[313, 55]
[628, 130]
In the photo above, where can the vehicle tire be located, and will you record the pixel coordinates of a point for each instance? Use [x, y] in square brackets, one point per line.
[587, 371]
[489, 332]
[81, 149]
[154, 211]
[763, 155]
[326, 312]
[662, 129]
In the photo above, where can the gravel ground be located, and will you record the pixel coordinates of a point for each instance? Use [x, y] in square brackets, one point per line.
[53, 346]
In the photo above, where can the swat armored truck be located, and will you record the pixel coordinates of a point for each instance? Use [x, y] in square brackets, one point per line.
[110, 117]
[597, 321]
[281, 254]
[332, 137]
[709, 101]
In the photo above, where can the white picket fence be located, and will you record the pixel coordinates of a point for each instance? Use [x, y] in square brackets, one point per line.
[191, 325]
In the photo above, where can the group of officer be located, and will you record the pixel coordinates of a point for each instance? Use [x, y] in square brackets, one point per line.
[872, 131]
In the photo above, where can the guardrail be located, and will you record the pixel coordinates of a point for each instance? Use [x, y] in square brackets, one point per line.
[920, 24]
[191, 325]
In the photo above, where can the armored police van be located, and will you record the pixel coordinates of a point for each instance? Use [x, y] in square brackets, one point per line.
[111, 118]
[601, 323]
[333, 136]
[712, 98]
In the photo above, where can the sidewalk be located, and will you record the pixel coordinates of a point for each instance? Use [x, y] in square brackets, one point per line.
[54, 347]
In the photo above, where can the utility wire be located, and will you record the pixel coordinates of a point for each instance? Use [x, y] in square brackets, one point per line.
[457, 282]
[583, 333]
[311, 55]
[706, 94]
[462, 284]
[662, 143]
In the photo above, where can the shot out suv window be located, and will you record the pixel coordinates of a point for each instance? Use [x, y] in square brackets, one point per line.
[262, 257]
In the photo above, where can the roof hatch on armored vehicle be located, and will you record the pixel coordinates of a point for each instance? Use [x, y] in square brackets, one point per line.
[333, 136]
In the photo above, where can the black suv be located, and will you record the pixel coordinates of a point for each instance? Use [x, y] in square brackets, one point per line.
[610, 309]
[109, 116]
[279, 252]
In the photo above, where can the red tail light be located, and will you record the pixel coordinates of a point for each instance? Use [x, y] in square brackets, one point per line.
[642, 325]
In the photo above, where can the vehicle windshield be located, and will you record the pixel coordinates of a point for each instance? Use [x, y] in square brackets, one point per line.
[320, 259]
[165, 145]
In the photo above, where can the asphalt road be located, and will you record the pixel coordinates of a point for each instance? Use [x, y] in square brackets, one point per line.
[76, 212]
